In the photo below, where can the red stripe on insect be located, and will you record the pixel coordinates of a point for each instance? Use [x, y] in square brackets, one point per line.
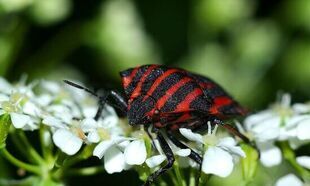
[184, 117]
[158, 81]
[161, 102]
[136, 92]
[220, 102]
[185, 104]
[128, 79]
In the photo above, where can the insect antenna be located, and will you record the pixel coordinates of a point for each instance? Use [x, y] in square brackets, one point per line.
[81, 87]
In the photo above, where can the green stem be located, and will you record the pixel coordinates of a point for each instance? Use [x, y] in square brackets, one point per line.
[173, 178]
[192, 178]
[46, 146]
[32, 152]
[18, 163]
[203, 179]
[68, 162]
[179, 177]
[20, 147]
[72, 160]
[289, 155]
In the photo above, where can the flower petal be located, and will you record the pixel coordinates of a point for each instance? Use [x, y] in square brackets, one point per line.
[109, 121]
[102, 147]
[254, 119]
[5, 86]
[264, 125]
[114, 160]
[187, 133]
[93, 137]
[304, 161]
[227, 141]
[229, 144]
[67, 141]
[19, 120]
[88, 124]
[270, 155]
[44, 100]
[183, 152]
[301, 108]
[290, 180]
[303, 129]
[51, 86]
[4, 98]
[31, 109]
[217, 161]
[89, 111]
[135, 153]
[154, 161]
[53, 122]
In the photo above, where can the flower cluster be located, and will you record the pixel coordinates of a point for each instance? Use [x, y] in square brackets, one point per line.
[281, 124]
[69, 115]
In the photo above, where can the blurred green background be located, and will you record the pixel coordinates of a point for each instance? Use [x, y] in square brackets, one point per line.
[254, 49]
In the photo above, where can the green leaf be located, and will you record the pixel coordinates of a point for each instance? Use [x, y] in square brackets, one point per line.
[5, 123]
[249, 164]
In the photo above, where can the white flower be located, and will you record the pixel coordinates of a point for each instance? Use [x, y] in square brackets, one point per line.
[5, 87]
[67, 141]
[120, 152]
[303, 128]
[270, 155]
[69, 102]
[304, 161]
[279, 123]
[69, 137]
[156, 160]
[23, 112]
[289, 180]
[218, 159]
[301, 108]
[135, 153]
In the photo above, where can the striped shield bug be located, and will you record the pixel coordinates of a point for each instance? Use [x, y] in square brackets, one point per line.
[167, 99]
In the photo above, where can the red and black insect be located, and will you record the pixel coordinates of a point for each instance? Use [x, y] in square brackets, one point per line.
[168, 99]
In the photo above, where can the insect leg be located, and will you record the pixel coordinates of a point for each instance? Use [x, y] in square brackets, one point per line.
[146, 129]
[119, 102]
[170, 157]
[193, 155]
